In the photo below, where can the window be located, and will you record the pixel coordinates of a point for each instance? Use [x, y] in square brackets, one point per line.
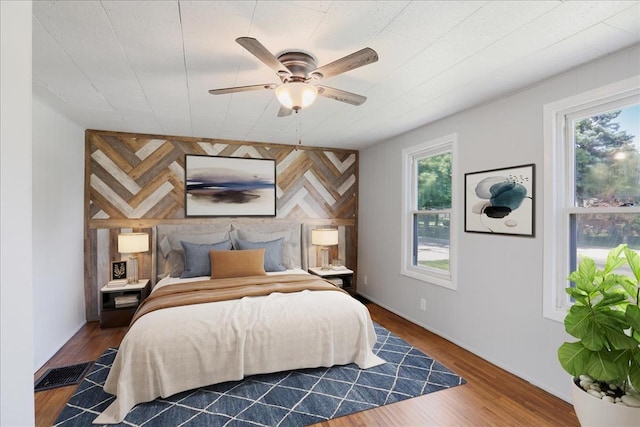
[592, 183]
[428, 212]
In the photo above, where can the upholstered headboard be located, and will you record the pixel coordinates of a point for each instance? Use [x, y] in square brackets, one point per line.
[168, 253]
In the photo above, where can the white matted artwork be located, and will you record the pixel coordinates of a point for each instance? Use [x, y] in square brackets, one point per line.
[500, 201]
[229, 186]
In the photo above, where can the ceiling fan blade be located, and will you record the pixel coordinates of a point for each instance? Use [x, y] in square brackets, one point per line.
[241, 89]
[258, 50]
[347, 63]
[341, 95]
[284, 111]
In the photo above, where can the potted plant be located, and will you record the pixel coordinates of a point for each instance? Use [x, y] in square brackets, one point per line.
[605, 361]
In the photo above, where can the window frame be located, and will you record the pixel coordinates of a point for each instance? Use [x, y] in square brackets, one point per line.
[559, 186]
[410, 157]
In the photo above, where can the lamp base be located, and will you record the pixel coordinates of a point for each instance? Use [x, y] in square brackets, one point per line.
[325, 258]
[132, 270]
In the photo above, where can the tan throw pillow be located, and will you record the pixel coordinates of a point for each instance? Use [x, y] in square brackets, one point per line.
[226, 264]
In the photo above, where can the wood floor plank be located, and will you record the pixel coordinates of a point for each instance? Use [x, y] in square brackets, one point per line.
[514, 402]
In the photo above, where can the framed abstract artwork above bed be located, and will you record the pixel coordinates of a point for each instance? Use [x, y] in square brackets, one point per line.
[229, 186]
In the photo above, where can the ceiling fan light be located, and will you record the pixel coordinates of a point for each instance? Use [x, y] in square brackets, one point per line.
[296, 95]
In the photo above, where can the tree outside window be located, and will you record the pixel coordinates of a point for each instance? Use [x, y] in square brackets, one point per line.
[428, 207]
[432, 221]
[607, 183]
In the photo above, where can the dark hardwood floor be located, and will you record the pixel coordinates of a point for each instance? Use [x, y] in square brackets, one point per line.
[514, 403]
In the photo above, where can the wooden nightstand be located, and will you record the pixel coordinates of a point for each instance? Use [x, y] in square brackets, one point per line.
[118, 304]
[344, 274]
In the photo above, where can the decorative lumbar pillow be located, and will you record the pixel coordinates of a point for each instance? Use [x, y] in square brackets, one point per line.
[239, 263]
[272, 256]
[196, 257]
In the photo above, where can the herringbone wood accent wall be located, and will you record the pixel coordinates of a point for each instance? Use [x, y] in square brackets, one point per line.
[137, 181]
[142, 177]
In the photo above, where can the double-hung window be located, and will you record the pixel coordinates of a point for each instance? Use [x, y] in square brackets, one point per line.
[592, 183]
[428, 212]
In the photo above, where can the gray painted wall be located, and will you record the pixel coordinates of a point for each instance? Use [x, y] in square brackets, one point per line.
[58, 230]
[16, 279]
[493, 271]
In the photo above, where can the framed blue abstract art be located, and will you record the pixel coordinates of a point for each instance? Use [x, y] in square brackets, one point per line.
[229, 186]
[500, 201]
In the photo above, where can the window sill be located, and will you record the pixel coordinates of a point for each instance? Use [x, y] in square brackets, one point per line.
[444, 281]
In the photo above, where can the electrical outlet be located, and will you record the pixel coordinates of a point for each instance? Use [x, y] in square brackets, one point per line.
[423, 304]
[365, 280]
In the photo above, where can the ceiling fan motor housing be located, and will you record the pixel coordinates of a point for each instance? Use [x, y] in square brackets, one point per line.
[299, 63]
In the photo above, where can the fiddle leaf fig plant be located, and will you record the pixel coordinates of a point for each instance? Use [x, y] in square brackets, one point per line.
[605, 317]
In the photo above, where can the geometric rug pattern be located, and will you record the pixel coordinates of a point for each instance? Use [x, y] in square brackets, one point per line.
[286, 399]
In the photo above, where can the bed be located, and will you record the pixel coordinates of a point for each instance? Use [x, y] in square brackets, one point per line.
[242, 322]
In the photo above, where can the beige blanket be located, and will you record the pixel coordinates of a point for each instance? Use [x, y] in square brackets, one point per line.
[174, 349]
[215, 290]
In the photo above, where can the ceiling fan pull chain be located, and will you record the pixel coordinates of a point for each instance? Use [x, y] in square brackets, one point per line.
[299, 131]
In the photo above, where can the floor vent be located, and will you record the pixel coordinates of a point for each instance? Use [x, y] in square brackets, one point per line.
[63, 376]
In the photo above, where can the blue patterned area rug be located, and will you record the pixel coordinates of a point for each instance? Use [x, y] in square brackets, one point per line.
[292, 398]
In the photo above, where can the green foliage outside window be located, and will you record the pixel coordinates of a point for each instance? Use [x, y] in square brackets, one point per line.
[607, 162]
[434, 182]
[607, 174]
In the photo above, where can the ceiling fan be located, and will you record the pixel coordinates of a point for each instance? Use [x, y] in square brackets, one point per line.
[295, 69]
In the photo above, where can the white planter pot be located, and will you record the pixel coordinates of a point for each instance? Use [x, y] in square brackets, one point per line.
[594, 412]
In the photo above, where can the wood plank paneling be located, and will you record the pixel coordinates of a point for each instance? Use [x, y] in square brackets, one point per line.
[137, 180]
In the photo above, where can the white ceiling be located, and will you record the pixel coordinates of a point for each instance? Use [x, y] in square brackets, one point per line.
[146, 66]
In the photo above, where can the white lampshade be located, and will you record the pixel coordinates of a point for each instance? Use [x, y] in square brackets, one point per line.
[296, 95]
[324, 236]
[132, 243]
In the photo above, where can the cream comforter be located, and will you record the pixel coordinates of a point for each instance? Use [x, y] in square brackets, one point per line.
[181, 348]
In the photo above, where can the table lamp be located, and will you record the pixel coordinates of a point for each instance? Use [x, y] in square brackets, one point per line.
[324, 237]
[132, 244]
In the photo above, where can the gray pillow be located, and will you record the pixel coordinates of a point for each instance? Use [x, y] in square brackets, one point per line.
[272, 254]
[196, 257]
[291, 247]
[170, 258]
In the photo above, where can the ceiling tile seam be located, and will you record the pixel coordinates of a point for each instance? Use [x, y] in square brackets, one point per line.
[77, 68]
[329, 116]
[557, 42]
[392, 20]
[186, 69]
[324, 16]
[507, 94]
[485, 48]
[235, 80]
[621, 12]
[164, 131]
[462, 60]
[422, 50]
[255, 123]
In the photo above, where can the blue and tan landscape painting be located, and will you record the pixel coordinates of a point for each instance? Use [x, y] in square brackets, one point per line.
[229, 187]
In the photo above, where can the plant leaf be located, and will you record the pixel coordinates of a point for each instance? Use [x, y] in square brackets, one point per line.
[585, 275]
[611, 299]
[634, 369]
[633, 259]
[574, 358]
[578, 294]
[579, 323]
[609, 365]
[614, 260]
[632, 314]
